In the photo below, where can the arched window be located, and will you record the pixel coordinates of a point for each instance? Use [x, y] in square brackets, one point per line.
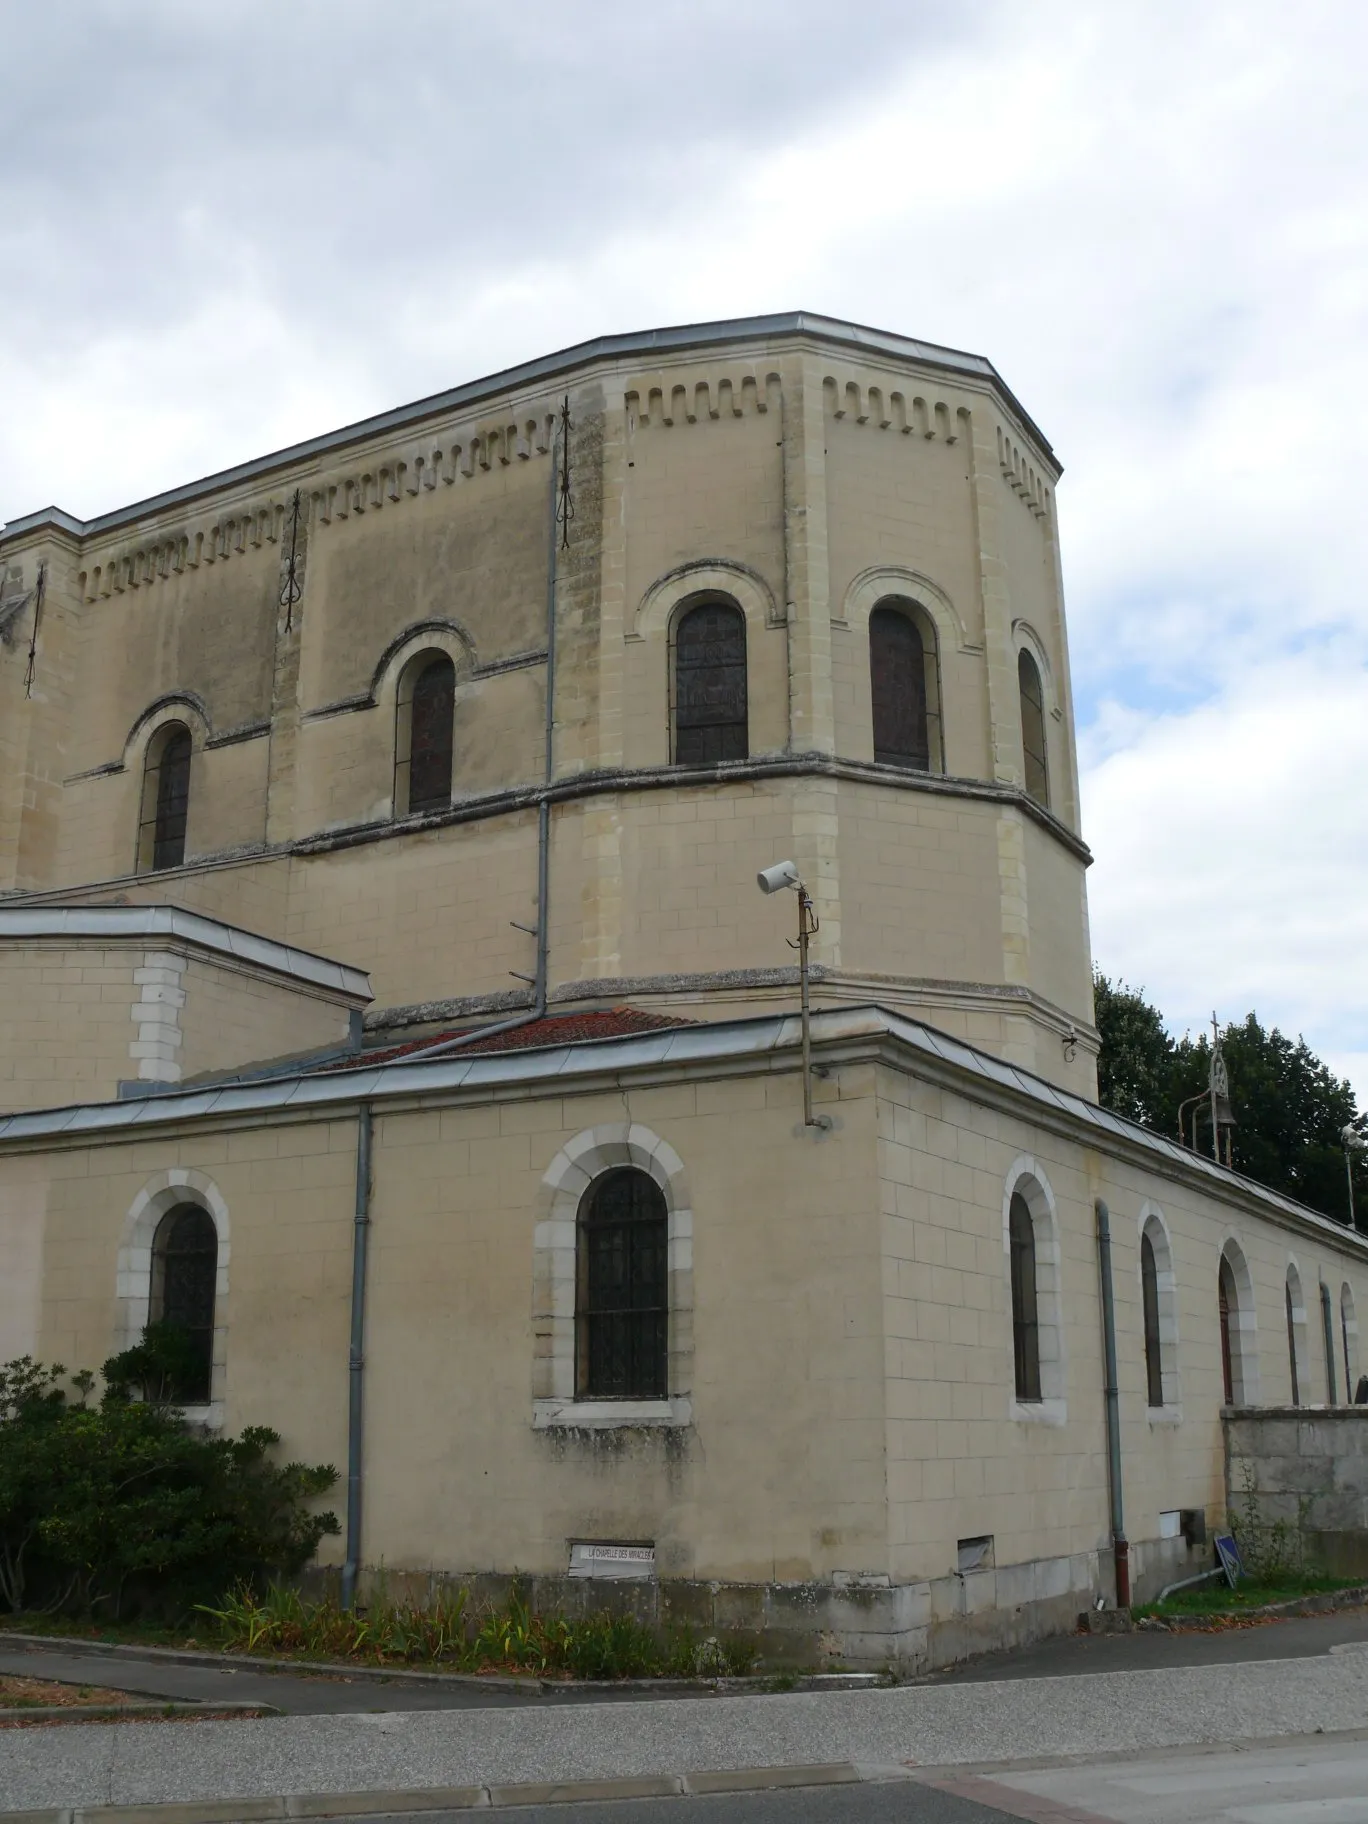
[903, 690]
[1033, 727]
[1229, 1301]
[1025, 1303]
[1328, 1333]
[1239, 1350]
[1296, 1334]
[184, 1279]
[425, 713]
[622, 1289]
[165, 799]
[1349, 1340]
[710, 685]
[1149, 1300]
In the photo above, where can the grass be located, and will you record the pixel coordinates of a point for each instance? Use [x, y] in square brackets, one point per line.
[446, 1633]
[443, 1634]
[1217, 1598]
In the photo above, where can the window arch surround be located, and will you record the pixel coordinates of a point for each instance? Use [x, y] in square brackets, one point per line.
[1034, 743]
[1349, 1341]
[136, 1290]
[1238, 1354]
[171, 736]
[582, 1163]
[1159, 1313]
[904, 686]
[1028, 1197]
[1298, 1355]
[424, 733]
[391, 691]
[709, 682]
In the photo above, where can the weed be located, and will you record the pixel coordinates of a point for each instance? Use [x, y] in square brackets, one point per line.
[444, 1632]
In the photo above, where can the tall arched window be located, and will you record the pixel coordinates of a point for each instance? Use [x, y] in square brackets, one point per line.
[184, 1279]
[1033, 727]
[424, 734]
[1328, 1333]
[1229, 1301]
[902, 688]
[1149, 1300]
[165, 799]
[1239, 1345]
[622, 1289]
[710, 685]
[1025, 1302]
[1296, 1334]
[1349, 1340]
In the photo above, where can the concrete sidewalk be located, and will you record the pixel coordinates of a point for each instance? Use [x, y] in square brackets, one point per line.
[930, 1725]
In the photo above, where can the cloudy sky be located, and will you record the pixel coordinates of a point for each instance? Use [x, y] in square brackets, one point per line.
[229, 226]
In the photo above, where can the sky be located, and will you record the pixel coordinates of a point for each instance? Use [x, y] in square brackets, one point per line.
[228, 227]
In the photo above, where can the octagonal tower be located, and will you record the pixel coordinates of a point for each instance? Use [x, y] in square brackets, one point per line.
[796, 586]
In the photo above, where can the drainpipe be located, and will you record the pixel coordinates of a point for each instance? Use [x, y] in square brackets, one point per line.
[356, 1366]
[1120, 1545]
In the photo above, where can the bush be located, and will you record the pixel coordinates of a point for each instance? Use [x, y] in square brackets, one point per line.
[121, 1508]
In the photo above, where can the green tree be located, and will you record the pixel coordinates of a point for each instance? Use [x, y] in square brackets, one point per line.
[1290, 1108]
[123, 1506]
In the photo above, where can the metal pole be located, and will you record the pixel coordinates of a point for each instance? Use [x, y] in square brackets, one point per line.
[1349, 1174]
[356, 1365]
[1120, 1544]
[804, 910]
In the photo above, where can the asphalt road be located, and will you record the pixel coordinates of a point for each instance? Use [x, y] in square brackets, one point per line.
[1072, 1655]
[295, 1693]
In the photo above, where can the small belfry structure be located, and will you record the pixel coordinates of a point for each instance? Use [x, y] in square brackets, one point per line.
[392, 1007]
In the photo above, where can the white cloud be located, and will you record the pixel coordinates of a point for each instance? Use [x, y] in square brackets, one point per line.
[1233, 872]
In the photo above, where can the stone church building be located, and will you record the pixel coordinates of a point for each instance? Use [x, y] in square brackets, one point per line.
[389, 1002]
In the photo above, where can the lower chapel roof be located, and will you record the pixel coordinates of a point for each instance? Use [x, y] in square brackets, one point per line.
[556, 1060]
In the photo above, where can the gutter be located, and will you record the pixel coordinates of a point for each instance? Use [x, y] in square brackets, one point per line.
[1112, 1400]
[356, 1360]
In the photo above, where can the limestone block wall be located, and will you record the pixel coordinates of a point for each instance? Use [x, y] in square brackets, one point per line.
[964, 1459]
[68, 1022]
[86, 1014]
[806, 470]
[1307, 1469]
[843, 1417]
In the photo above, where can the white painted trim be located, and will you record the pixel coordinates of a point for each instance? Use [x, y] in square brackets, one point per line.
[107, 924]
[1152, 1219]
[580, 1161]
[1026, 1176]
[1243, 1324]
[711, 577]
[133, 1283]
[604, 1415]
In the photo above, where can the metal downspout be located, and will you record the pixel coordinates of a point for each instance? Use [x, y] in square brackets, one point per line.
[1120, 1545]
[356, 1363]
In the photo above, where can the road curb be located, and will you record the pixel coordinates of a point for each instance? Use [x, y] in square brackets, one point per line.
[450, 1798]
[532, 1685]
[116, 1713]
[1321, 1602]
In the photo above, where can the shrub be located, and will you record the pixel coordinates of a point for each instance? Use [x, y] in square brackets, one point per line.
[121, 1507]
